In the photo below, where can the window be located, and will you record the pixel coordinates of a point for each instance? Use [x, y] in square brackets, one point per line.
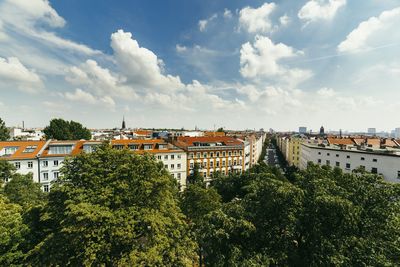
[204, 174]
[362, 158]
[229, 163]
[319, 153]
[29, 149]
[398, 174]
[45, 176]
[191, 165]
[60, 150]
[55, 175]
[234, 162]
[328, 154]
[30, 164]
[337, 155]
[240, 152]
[348, 166]
[375, 160]
[55, 163]
[172, 166]
[205, 164]
[148, 147]
[133, 147]
[223, 172]
[8, 151]
[159, 157]
[348, 156]
[223, 153]
[179, 156]
[217, 154]
[230, 153]
[191, 155]
[362, 167]
[217, 164]
[166, 157]
[178, 166]
[319, 161]
[235, 153]
[205, 155]
[198, 155]
[166, 166]
[46, 188]
[223, 163]
[17, 165]
[211, 154]
[328, 162]
[179, 175]
[45, 163]
[211, 164]
[172, 156]
[173, 175]
[374, 170]
[337, 164]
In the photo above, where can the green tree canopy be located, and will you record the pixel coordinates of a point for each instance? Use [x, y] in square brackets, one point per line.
[66, 130]
[4, 132]
[114, 208]
[12, 230]
[7, 170]
[22, 190]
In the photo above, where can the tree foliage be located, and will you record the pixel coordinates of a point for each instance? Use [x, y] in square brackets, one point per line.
[114, 208]
[66, 130]
[4, 132]
[7, 170]
[22, 190]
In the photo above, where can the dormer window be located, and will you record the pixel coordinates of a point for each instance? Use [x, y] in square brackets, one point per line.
[162, 146]
[148, 147]
[60, 149]
[119, 147]
[133, 147]
[10, 150]
[29, 149]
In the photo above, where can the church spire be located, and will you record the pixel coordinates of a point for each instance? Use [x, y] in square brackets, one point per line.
[123, 123]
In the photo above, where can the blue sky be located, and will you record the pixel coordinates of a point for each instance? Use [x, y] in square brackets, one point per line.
[177, 63]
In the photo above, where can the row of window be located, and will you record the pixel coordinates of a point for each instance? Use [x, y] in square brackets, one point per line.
[45, 176]
[222, 172]
[348, 166]
[217, 154]
[178, 175]
[348, 156]
[172, 166]
[217, 164]
[45, 163]
[166, 157]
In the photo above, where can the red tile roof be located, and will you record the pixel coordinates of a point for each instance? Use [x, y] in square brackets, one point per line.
[340, 141]
[22, 145]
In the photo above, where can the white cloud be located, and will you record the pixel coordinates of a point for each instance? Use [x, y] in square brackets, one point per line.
[256, 20]
[140, 65]
[358, 38]
[260, 60]
[326, 92]
[227, 13]
[84, 97]
[284, 20]
[180, 48]
[14, 72]
[315, 10]
[101, 81]
[203, 23]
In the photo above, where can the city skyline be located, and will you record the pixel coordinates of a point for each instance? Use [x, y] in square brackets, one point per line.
[174, 64]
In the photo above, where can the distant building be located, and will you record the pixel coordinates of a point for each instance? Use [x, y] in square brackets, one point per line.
[123, 124]
[372, 131]
[302, 130]
[397, 133]
[322, 130]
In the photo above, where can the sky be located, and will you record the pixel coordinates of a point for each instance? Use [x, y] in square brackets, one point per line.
[176, 63]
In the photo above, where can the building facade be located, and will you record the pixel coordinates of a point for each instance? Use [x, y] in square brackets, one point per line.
[213, 154]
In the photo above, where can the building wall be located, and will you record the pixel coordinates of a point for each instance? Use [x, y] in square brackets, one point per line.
[386, 165]
[175, 163]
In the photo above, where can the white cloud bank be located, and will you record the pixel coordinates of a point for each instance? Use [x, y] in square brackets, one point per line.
[320, 10]
[257, 20]
[366, 30]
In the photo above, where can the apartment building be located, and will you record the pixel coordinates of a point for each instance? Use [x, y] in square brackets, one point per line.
[348, 156]
[213, 154]
[45, 159]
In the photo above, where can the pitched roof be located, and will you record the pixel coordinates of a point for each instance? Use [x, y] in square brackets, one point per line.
[193, 141]
[340, 141]
[24, 149]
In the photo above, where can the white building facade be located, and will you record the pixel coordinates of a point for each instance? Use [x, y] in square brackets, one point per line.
[385, 164]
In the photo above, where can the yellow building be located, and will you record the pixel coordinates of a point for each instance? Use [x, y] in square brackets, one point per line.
[294, 150]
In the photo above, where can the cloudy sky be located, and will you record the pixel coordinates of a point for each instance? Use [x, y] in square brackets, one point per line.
[177, 63]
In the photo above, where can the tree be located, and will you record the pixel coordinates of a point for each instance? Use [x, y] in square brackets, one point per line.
[4, 132]
[22, 190]
[114, 208]
[7, 170]
[12, 230]
[221, 130]
[196, 177]
[66, 130]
